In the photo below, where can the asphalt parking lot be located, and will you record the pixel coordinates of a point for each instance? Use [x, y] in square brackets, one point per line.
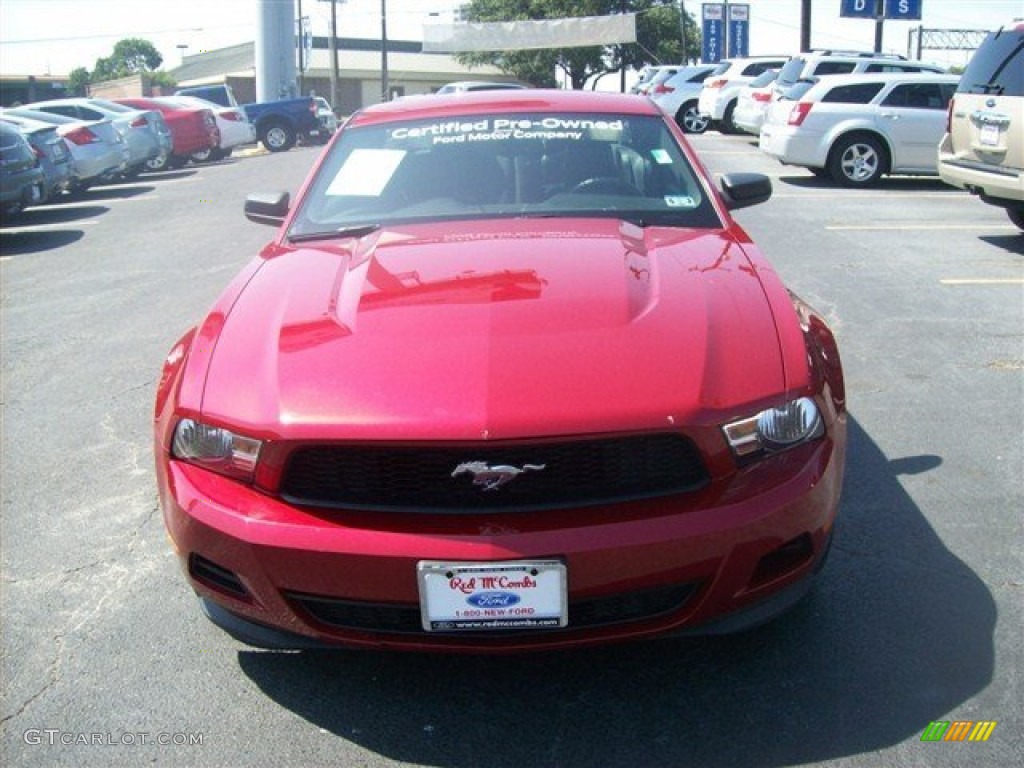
[917, 618]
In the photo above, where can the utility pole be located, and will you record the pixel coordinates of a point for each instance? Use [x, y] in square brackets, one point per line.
[682, 30]
[879, 16]
[805, 25]
[384, 85]
[333, 46]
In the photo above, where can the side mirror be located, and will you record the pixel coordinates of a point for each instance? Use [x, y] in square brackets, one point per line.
[267, 207]
[740, 190]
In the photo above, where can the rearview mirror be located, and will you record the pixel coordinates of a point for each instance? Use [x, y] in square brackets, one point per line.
[740, 190]
[267, 207]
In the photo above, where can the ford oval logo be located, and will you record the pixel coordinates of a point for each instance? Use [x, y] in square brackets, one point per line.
[493, 599]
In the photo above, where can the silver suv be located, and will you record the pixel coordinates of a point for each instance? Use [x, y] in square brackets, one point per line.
[983, 149]
[856, 128]
[813, 64]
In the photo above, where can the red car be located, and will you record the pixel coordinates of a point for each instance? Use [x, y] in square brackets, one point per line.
[192, 129]
[509, 377]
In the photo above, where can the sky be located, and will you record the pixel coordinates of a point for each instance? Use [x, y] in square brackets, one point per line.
[56, 36]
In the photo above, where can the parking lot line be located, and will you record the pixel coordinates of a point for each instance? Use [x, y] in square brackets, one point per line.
[899, 225]
[982, 281]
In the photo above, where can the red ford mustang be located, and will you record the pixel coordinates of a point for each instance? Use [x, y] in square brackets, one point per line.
[509, 377]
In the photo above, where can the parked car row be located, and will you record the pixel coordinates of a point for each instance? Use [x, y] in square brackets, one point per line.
[79, 142]
[856, 117]
[705, 95]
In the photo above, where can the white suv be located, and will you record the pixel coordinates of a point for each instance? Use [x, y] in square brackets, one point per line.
[858, 127]
[677, 97]
[813, 64]
[722, 87]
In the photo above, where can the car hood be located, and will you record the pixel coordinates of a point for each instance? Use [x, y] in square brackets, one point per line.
[498, 330]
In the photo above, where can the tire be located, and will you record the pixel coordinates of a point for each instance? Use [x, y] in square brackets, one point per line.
[208, 155]
[857, 160]
[277, 137]
[690, 120]
[159, 163]
[727, 125]
[1016, 216]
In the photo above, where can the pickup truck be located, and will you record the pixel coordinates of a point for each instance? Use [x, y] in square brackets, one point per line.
[279, 124]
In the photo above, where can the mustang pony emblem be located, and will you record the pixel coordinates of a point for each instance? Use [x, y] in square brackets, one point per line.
[491, 478]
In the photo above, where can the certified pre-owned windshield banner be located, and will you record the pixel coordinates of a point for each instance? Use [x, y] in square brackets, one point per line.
[525, 35]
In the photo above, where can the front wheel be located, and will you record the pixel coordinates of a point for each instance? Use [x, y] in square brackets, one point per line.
[208, 155]
[857, 161]
[727, 125]
[691, 120]
[278, 137]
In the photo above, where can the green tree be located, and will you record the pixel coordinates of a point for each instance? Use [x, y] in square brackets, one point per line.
[658, 39]
[131, 56]
[78, 81]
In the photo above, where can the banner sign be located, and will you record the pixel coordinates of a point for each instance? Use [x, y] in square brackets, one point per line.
[713, 32]
[530, 35]
[739, 31]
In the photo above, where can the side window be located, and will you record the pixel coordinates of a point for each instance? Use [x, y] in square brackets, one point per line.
[90, 114]
[916, 96]
[62, 109]
[860, 93]
[834, 67]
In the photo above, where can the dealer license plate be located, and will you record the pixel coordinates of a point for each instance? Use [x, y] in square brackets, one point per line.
[483, 596]
[990, 135]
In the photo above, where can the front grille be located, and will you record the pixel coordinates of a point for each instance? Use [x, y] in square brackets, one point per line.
[405, 619]
[419, 478]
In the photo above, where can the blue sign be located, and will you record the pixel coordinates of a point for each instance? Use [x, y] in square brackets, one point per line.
[899, 10]
[713, 28]
[739, 30]
[903, 10]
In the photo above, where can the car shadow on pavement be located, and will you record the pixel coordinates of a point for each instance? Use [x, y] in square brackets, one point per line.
[45, 215]
[119, 191]
[899, 632]
[20, 243]
[1009, 243]
[885, 184]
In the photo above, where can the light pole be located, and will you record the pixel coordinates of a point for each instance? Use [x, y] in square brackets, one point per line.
[182, 47]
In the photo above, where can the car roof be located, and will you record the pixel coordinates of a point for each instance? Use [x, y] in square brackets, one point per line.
[508, 101]
[824, 83]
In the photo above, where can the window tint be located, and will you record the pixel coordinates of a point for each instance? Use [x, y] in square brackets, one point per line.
[62, 109]
[834, 68]
[700, 76]
[752, 70]
[859, 93]
[997, 66]
[917, 96]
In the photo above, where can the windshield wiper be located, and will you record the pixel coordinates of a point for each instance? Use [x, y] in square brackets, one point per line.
[357, 230]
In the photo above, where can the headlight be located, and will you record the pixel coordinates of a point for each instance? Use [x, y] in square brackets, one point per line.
[775, 429]
[216, 449]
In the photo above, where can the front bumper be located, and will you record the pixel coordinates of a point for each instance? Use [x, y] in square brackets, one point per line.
[716, 560]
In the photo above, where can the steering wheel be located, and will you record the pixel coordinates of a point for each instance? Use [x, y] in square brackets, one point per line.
[605, 185]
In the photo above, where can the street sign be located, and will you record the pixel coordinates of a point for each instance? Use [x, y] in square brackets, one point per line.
[857, 9]
[898, 10]
[903, 10]
[713, 27]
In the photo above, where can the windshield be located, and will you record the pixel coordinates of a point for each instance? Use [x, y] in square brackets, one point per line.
[512, 165]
